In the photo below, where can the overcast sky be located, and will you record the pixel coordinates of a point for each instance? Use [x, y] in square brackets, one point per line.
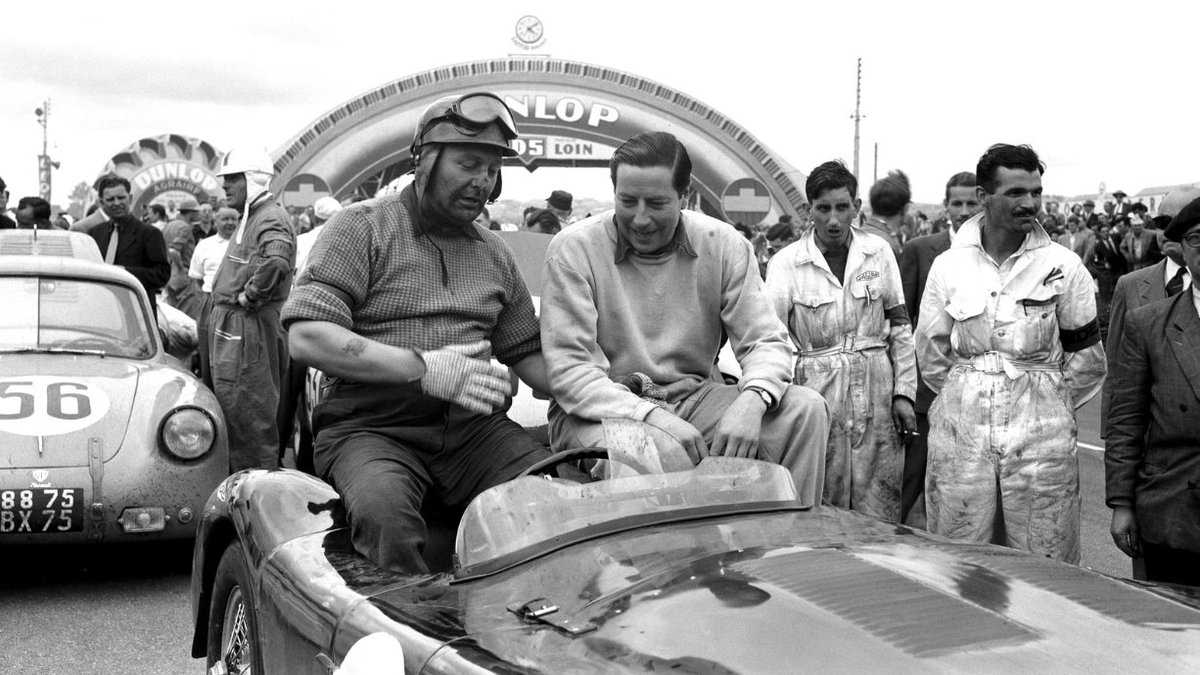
[1103, 91]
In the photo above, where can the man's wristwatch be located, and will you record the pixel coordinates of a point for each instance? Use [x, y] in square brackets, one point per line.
[764, 395]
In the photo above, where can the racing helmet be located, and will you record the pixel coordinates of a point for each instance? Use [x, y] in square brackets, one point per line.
[246, 160]
[478, 118]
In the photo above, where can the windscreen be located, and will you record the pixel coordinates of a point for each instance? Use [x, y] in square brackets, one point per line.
[54, 314]
[530, 511]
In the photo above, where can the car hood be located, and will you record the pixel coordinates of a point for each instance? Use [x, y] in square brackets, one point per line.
[55, 408]
[792, 595]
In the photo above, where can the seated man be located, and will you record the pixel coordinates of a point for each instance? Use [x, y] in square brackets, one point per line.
[650, 290]
[402, 304]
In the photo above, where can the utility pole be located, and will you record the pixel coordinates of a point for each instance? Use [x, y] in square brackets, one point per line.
[876, 179]
[857, 116]
[44, 163]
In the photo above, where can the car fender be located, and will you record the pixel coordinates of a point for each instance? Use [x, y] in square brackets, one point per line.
[260, 511]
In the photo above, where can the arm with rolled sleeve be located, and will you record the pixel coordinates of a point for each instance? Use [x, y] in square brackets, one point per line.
[933, 332]
[276, 247]
[576, 366]
[901, 348]
[1084, 364]
[750, 317]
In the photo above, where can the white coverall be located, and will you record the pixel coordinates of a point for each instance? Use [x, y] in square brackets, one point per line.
[1012, 350]
[856, 349]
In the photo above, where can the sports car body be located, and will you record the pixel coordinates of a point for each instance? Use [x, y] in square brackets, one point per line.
[710, 570]
[104, 437]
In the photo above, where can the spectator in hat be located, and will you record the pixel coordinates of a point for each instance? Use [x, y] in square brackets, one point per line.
[559, 203]
[33, 213]
[1120, 206]
[1137, 244]
[180, 238]
[1152, 449]
[323, 210]
[1090, 217]
[6, 223]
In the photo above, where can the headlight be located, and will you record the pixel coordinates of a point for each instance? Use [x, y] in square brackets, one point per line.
[187, 433]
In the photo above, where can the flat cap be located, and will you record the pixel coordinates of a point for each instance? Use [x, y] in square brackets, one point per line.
[1183, 221]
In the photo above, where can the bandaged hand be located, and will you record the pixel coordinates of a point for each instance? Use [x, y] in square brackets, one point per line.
[457, 374]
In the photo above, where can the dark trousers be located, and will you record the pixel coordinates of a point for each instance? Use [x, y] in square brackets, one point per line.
[1171, 565]
[916, 454]
[386, 448]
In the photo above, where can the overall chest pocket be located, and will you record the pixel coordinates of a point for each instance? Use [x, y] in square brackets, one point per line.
[971, 331]
[1035, 321]
[814, 319]
[868, 303]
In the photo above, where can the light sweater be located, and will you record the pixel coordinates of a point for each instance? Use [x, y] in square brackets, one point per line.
[658, 315]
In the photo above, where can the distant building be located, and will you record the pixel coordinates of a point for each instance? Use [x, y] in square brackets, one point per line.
[1151, 197]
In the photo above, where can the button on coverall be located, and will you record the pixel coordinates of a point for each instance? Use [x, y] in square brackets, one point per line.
[856, 349]
[1012, 350]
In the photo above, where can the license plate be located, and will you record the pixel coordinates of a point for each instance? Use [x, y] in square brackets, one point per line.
[41, 510]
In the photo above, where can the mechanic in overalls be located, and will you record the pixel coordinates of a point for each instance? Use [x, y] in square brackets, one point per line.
[838, 291]
[247, 343]
[1008, 339]
[403, 304]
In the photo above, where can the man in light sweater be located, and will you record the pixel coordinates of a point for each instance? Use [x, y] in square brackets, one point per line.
[650, 289]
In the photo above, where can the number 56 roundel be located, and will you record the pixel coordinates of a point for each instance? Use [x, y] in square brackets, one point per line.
[47, 406]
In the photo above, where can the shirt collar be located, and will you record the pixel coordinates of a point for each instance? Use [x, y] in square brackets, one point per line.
[679, 242]
[969, 236]
[408, 197]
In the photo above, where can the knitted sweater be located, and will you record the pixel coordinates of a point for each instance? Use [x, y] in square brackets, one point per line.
[659, 315]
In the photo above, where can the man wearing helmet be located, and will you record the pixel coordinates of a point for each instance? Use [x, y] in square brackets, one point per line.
[247, 345]
[403, 304]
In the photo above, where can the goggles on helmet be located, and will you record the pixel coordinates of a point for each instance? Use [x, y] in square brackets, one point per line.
[473, 113]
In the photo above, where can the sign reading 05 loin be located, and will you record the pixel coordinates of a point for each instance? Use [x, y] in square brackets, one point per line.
[570, 114]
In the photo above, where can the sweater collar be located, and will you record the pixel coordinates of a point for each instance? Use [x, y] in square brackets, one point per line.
[679, 242]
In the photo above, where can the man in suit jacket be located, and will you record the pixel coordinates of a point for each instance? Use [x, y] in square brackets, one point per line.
[1142, 287]
[1138, 244]
[138, 247]
[1091, 219]
[915, 260]
[1080, 240]
[1152, 458]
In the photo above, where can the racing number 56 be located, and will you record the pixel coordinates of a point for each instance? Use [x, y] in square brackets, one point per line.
[57, 393]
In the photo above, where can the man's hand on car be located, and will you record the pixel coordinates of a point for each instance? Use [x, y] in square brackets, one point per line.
[457, 374]
[738, 431]
[681, 430]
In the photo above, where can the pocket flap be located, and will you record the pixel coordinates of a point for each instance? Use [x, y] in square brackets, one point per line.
[964, 307]
[815, 301]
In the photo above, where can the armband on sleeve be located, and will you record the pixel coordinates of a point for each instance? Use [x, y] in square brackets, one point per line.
[1080, 338]
[898, 316]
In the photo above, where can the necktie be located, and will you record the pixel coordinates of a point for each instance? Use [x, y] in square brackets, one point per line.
[1175, 285]
[111, 254]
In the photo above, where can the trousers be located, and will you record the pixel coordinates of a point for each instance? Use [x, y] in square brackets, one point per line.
[793, 434]
[385, 449]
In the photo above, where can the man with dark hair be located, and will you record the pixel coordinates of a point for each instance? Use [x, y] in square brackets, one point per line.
[544, 221]
[961, 205]
[647, 292]
[33, 213]
[413, 404]
[1152, 452]
[1078, 239]
[6, 223]
[156, 216]
[889, 197]
[838, 292]
[779, 236]
[1008, 339]
[127, 242]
